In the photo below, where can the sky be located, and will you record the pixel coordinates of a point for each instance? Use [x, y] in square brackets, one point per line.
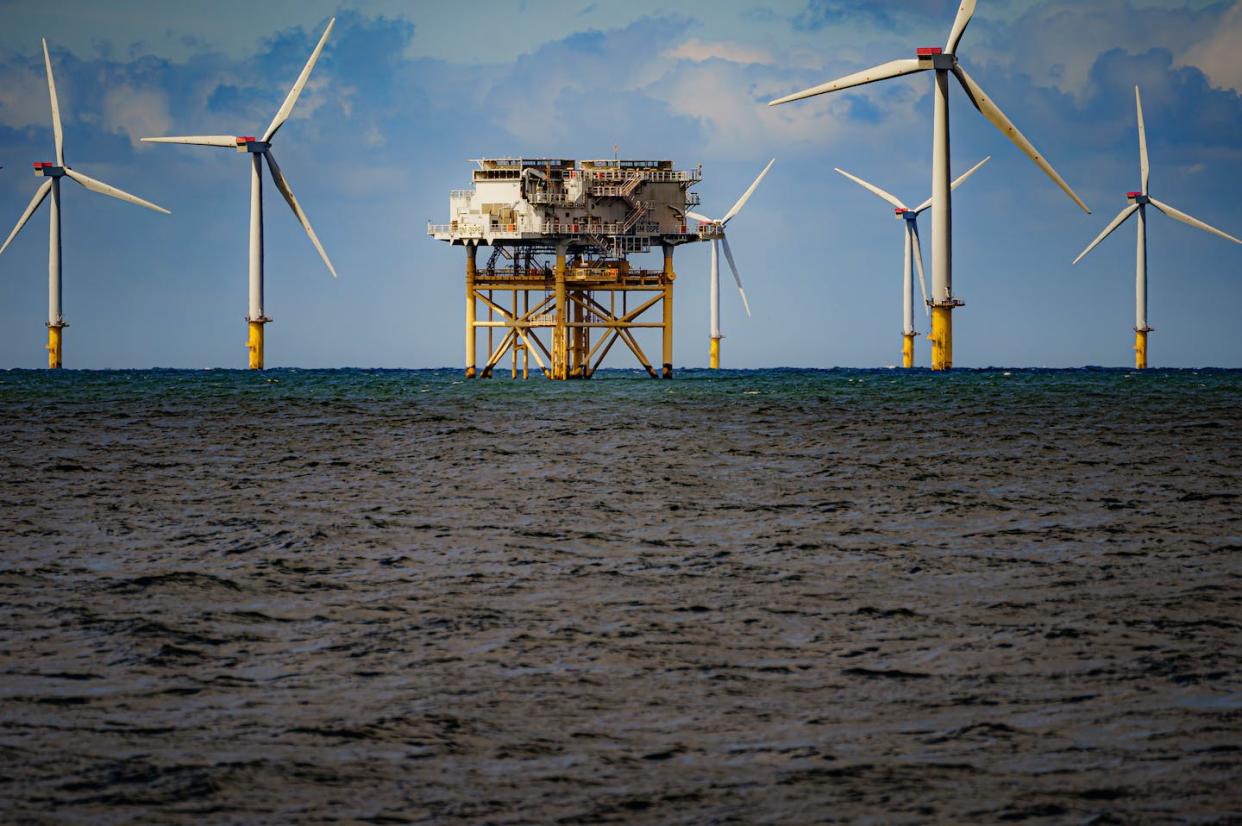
[406, 93]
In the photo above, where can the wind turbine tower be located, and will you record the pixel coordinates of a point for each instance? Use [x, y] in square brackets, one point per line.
[943, 62]
[52, 173]
[260, 150]
[1138, 205]
[714, 231]
[912, 249]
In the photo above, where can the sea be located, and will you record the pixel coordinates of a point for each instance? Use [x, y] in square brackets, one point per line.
[772, 596]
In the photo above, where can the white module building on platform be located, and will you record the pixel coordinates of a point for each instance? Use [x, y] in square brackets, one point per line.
[615, 206]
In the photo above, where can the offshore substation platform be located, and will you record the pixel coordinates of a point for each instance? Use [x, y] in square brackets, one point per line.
[557, 286]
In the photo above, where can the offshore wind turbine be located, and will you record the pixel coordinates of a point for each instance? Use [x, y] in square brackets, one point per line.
[260, 149]
[943, 62]
[911, 249]
[1138, 205]
[715, 230]
[53, 172]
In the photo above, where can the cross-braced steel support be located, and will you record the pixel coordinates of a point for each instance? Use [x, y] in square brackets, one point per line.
[567, 315]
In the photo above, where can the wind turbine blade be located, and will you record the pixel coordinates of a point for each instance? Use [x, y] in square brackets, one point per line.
[51, 91]
[107, 189]
[964, 13]
[39, 195]
[198, 140]
[895, 68]
[1144, 166]
[702, 219]
[1118, 221]
[918, 259]
[993, 113]
[956, 183]
[724, 242]
[741, 202]
[892, 199]
[1186, 219]
[283, 186]
[286, 108]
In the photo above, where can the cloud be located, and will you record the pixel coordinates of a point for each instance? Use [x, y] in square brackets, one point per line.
[532, 98]
[20, 102]
[136, 113]
[1182, 110]
[700, 50]
[729, 100]
[820, 14]
[1058, 43]
[1220, 55]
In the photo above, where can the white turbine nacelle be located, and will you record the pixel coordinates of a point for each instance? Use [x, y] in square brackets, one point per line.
[935, 58]
[251, 144]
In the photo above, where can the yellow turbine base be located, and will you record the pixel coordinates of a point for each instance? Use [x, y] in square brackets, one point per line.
[907, 350]
[1140, 349]
[714, 359]
[54, 348]
[942, 338]
[255, 345]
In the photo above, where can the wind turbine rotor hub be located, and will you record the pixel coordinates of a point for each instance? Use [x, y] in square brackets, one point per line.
[251, 144]
[936, 57]
[47, 169]
[1137, 197]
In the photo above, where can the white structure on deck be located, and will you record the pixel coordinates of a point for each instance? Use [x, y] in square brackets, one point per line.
[613, 206]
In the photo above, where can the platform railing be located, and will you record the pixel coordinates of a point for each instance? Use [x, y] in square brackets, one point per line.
[622, 175]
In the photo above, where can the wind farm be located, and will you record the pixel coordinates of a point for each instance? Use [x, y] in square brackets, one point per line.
[940, 298]
[369, 575]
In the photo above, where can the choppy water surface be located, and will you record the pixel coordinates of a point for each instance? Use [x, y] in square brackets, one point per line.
[760, 597]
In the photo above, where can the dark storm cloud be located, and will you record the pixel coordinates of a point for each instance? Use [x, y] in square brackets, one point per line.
[1182, 109]
[821, 13]
[1184, 112]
